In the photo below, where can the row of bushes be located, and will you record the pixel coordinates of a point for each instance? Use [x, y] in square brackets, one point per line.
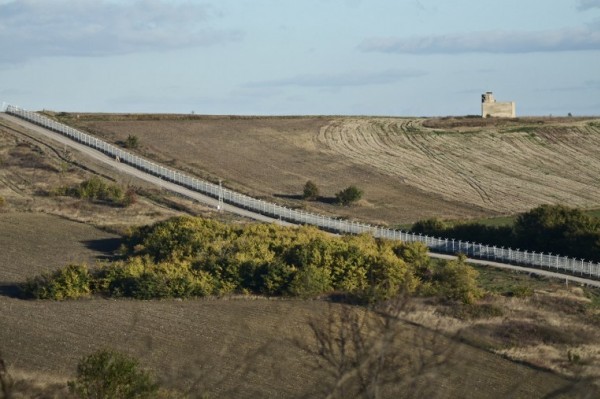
[188, 257]
[547, 228]
[96, 189]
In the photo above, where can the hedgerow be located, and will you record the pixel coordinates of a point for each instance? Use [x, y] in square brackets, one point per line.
[190, 257]
[547, 228]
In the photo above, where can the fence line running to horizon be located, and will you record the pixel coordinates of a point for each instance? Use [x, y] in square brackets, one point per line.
[557, 263]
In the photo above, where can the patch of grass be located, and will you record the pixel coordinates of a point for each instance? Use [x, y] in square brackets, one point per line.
[473, 311]
[508, 283]
[96, 189]
[522, 129]
[593, 212]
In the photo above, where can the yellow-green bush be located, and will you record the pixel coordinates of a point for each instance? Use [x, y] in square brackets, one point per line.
[187, 257]
[141, 278]
[456, 280]
[70, 282]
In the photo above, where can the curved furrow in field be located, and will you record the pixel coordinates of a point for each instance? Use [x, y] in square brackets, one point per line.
[501, 171]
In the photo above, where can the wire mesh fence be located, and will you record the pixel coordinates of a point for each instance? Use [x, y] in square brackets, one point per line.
[554, 262]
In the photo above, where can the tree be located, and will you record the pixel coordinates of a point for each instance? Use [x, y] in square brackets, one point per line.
[372, 353]
[557, 228]
[311, 191]
[349, 195]
[131, 142]
[107, 374]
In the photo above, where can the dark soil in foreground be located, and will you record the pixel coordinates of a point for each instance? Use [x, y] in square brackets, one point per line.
[241, 347]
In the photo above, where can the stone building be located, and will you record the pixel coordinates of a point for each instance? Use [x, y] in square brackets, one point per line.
[491, 108]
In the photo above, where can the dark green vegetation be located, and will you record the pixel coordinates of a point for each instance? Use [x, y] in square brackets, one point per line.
[107, 374]
[311, 191]
[349, 195]
[547, 228]
[188, 257]
[98, 190]
[131, 142]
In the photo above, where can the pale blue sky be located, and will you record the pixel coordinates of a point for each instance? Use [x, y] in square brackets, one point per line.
[273, 57]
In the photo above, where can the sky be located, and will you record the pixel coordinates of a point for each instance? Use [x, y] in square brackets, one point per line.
[309, 57]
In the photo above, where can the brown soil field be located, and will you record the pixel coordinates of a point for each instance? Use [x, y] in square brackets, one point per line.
[228, 347]
[409, 169]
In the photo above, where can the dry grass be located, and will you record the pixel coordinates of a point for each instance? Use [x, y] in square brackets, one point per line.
[498, 169]
[409, 168]
[273, 158]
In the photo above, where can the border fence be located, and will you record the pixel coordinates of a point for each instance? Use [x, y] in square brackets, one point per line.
[553, 262]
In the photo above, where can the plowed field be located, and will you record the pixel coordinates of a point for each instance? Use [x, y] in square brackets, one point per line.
[506, 170]
[242, 348]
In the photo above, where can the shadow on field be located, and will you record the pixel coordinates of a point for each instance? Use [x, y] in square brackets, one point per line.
[10, 289]
[107, 247]
[324, 200]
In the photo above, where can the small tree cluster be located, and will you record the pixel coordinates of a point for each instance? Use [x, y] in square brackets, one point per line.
[189, 257]
[346, 196]
[349, 195]
[69, 282]
[108, 374]
[547, 228]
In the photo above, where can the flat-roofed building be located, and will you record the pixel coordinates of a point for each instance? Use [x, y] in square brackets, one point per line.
[491, 108]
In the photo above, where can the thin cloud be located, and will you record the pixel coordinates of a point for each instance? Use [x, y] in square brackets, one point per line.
[38, 28]
[588, 4]
[353, 78]
[489, 42]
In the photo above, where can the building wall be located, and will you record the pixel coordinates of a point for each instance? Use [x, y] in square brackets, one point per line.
[498, 110]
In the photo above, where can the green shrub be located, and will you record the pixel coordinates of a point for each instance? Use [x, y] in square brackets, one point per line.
[131, 142]
[456, 280]
[546, 228]
[96, 189]
[70, 282]
[311, 191]
[108, 374]
[141, 278]
[310, 281]
[349, 195]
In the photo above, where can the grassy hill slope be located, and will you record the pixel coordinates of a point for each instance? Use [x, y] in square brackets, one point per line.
[409, 168]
